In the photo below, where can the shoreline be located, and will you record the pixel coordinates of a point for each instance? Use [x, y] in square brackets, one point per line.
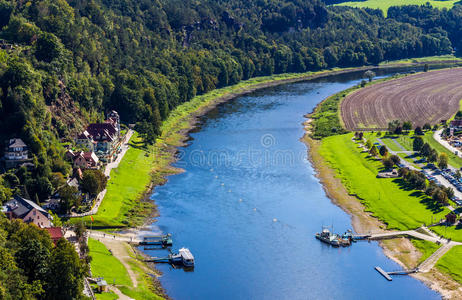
[175, 134]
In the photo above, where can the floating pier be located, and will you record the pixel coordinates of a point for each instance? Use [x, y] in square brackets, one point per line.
[157, 240]
[383, 273]
[184, 257]
[400, 272]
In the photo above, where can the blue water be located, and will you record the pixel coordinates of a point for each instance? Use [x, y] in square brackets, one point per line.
[248, 206]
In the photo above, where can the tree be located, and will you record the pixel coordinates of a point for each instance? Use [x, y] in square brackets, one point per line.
[387, 163]
[68, 197]
[407, 125]
[426, 67]
[443, 161]
[373, 151]
[396, 160]
[440, 197]
[66, 273]
[369, 75]
[449, 192]
[383, 150]
[32, 257]
[425, 150]
[368, 144]
[417, 143]
[427, 126]
[398, 130]
[433, 156]
[93, 181]
[451, 218]
[418, 131]
[393, 125]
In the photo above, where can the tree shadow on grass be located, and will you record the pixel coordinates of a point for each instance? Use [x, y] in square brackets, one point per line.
[431, 205]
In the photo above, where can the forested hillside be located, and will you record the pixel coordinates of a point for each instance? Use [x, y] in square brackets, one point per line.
[66, 63]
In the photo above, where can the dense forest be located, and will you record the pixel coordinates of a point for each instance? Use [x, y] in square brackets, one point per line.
[66, 63]
[31, 267]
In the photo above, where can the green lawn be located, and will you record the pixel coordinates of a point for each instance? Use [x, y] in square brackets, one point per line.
[452, 232]
[127, 185]
[425, 247]
[384, 5]
[450, 263]
[104, 264]
[387, 199]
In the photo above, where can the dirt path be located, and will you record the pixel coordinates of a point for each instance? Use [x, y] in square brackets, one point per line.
[120, 250]
[119, 293]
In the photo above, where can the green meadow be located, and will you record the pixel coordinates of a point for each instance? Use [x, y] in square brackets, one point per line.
[384, 5]
[387, 199]
[450, 263]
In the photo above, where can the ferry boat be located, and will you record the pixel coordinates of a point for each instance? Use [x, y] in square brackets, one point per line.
[327, 237]
[183, 257]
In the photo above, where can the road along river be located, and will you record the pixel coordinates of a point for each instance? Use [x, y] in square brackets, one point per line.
[249, 203]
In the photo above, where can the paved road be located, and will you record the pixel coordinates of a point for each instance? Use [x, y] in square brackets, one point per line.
[439, 139]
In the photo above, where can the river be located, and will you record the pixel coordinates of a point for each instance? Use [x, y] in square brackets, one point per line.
[249, 203]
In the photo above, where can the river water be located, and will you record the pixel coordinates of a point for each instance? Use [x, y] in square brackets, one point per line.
[249, 203]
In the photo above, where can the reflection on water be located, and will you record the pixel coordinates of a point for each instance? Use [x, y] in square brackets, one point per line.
[249, 204]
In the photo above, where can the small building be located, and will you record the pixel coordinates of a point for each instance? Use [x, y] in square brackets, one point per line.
[84, 160]
[102, 285]
[102, 138]
[16, 153]
[55, 233]
[28, 211]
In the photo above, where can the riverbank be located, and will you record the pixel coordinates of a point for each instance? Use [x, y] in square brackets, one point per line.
[175, 130]
[402, 250]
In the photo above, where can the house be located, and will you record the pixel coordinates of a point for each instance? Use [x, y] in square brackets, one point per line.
[55, 233]
[102, 138]
[28, 211]
[16, 153]
[84, 160]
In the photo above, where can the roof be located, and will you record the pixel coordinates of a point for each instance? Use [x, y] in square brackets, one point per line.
[21, 206]
[186, 254]
[55, 232]
[97, 130]
[16, 143]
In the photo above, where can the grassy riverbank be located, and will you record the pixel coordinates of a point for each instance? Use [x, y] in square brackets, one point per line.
[387, 199]
[134, 284]
[450, 263]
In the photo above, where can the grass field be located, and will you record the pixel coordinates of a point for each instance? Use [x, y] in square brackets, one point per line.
[450, 263]
[423, 59]
[128, 182]
[425, 247]
[387, 199]
[384, 5]
[105, 265]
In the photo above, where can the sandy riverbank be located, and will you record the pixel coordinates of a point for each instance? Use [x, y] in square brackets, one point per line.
[400, 250]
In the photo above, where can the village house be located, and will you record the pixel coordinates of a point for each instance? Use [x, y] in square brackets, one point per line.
[16, 153]
[102, 138]
[84, 160]
[456, 125]
[55, 233]
[28, 211]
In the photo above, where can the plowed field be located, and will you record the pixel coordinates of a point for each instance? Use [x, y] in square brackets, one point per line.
[422, 98]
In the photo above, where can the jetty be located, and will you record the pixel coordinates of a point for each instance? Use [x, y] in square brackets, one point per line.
[400, 272]
[184, 257]
[156, 240]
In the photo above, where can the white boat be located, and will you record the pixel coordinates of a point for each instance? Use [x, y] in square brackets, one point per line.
[184, 257]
